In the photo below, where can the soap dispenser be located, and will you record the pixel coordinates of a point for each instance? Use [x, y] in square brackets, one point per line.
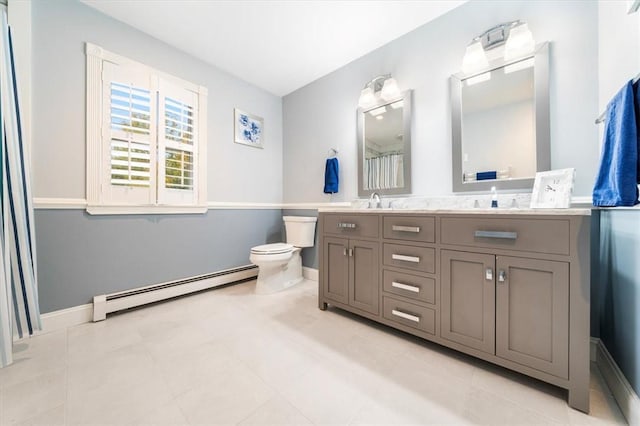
[494, 197]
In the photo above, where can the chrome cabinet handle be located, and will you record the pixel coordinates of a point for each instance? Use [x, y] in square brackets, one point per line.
[415, 229]
[407, 287]
[404, 258]
[345, 225]
[350, 252]
[405, 315]
[488, 274]
[344, 251]
[497, 234]
[502, 276]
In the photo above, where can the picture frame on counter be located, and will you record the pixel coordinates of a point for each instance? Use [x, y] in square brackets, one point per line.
[552, 189]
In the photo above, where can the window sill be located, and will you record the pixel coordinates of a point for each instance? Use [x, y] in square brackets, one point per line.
[115, 210]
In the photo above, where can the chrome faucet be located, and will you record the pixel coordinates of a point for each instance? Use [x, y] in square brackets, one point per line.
[375, 197]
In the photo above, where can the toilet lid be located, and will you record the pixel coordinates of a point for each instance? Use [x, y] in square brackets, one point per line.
[276, 248]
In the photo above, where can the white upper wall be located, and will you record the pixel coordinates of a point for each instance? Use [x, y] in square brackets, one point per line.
[322, 115]
[236, 173]
[618, 48]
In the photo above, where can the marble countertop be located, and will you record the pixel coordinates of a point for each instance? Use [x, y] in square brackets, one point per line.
[482, 211]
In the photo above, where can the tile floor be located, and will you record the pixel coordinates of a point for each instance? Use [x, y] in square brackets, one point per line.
[229, 356]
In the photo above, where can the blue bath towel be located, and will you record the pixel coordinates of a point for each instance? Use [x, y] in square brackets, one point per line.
[616, 183]
[486, 175]
[331, 176]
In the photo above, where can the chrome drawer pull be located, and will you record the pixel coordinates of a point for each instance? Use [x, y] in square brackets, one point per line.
[404, 258]
[407, 287]
[415, 229]
[497, 234]
[405, 315]
[344, 225]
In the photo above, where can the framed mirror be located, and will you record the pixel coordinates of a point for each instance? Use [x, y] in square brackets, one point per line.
[500, 124]
[384, 147]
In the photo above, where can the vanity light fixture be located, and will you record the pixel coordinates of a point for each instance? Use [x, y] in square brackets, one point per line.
[390, 89]
[520, 42]
[475, 58]
[383, 86]
[515, 36]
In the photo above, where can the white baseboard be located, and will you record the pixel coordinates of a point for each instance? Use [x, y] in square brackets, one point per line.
[310, 273]
[623, 393]
[64, 318]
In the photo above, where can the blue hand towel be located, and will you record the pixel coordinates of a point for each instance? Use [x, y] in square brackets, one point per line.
[331, 176]
[486, 175]
[616, 183]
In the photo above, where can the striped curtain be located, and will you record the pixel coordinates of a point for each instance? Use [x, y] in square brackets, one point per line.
[384, 172]
[19, 308]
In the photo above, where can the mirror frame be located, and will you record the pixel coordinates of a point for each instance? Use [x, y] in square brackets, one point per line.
[542, 123]
[406, 139]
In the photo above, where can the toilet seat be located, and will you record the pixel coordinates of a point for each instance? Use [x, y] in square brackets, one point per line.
[271, 249]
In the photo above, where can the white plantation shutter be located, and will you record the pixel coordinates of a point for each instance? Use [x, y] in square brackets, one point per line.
[177, 147]
[129, 136]
[146, 138]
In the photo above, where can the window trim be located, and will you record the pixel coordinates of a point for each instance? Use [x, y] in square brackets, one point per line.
[95, 173]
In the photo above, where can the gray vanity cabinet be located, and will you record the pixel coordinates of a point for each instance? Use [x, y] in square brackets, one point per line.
[515, 308]
[532, 319]
[336, 269]
[510, 288]
[350, 265]
[468, 299]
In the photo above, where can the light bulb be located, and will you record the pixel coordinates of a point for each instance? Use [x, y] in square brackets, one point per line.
[390, 89]
[475, 58]
[366, 97]
[519, 43]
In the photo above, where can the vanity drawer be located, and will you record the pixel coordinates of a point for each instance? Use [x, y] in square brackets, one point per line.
[352, 225]
[535, 235]
[410, 228]
[414, 316]
[410, 257]
[414, 287]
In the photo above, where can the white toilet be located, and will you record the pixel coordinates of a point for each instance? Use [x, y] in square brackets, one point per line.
[280, 264]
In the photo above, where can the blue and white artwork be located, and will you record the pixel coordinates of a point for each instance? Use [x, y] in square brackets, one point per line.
[248, 128]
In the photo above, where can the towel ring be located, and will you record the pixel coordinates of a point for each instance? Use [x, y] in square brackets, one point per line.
[332, 152]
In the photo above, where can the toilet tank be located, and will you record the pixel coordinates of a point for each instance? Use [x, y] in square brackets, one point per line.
[300, 230]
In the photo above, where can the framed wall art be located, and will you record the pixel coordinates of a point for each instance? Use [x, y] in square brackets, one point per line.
[248, 128]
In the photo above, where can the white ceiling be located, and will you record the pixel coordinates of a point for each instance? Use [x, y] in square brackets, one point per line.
[277, 45]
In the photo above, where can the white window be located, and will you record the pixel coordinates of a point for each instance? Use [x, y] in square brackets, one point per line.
[146, 138]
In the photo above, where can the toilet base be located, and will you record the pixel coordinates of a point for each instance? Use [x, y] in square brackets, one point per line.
[279, 277]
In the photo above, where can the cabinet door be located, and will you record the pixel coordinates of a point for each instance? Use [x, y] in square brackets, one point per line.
[468, 299]
[336, 267]
[364, 264]
[532, 319]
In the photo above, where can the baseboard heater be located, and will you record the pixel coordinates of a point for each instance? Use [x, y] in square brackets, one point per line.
[107, 303]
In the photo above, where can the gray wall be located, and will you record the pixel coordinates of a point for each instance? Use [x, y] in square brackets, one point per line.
[60, 29]
[322, 114]
[80, 256]
[617, 298]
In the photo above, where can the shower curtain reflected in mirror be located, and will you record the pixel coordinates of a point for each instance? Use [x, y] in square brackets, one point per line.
[384, 172]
